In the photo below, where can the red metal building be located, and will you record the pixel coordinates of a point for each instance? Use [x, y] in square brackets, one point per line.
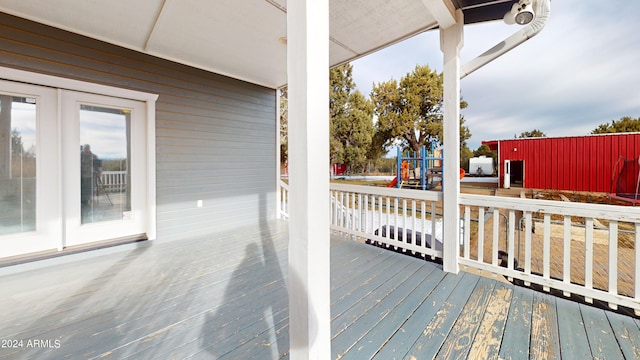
[590, 163]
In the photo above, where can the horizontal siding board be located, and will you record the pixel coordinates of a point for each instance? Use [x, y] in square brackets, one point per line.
[179, 168]
[215, 136]
[220, 110]
[180, 194]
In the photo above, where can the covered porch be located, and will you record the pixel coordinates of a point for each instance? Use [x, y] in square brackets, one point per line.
[195, 299]
[236, 294]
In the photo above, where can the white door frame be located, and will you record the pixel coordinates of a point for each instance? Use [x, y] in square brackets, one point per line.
[507, 174]
[134, 223]
[55, 134]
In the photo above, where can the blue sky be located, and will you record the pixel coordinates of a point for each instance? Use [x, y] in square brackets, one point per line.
[581, 71]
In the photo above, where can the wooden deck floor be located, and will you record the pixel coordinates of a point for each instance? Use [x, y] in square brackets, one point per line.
[225, 297]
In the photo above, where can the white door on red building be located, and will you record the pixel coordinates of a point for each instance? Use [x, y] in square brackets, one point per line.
[507, 174]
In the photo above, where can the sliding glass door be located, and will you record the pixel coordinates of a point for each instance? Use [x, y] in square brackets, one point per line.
[72, 168]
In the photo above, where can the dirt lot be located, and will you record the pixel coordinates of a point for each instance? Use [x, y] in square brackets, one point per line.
[600, 265]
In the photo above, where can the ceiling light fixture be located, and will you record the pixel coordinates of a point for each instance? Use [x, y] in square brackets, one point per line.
[521, 13]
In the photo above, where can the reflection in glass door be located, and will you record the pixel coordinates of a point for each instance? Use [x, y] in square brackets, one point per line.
[105, 192]
[17, 164]
[103, 168]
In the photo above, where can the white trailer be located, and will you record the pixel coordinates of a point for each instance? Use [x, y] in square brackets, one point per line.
[481, 166]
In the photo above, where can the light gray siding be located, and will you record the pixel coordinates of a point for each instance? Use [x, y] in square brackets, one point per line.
[215, 136]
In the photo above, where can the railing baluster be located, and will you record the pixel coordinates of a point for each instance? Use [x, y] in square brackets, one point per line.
[353, 212]
[360, 212]
[588, 257]
[496, 228]
[511, 228]
[433, 227]
[566, 260]
[342, 209]
[546, 250]
[413, 217]
[335, 208]
[423, 215]
[380, 216]
[467, 231]
[481, 234]
[395, 222]
[527, 245]
[365, 214]
[613, 260]
[404, 220]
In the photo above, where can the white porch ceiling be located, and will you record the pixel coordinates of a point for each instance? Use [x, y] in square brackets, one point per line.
[245, 39]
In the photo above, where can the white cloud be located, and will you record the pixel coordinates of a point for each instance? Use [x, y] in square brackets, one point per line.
[105, 132]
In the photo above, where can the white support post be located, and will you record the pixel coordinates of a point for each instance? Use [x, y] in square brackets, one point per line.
[451, 40]
[278, 156]
[308, 81]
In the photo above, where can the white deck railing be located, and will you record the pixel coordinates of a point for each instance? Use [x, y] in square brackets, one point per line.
[368, 213]
[581, 249]
[283, 200]
[114, 181]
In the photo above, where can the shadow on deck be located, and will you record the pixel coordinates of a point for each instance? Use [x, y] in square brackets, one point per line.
[225, 297]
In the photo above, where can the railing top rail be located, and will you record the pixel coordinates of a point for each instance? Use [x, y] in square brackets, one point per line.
[394, 192]
[600, 211]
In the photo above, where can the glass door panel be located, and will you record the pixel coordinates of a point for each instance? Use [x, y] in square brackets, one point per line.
[104, 164]
[17, 164]
[28, 169]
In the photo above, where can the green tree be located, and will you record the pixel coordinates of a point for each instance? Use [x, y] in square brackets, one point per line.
[625, 124]
[483, 150]
[531, 134]
[284, 129]
[411, 110]
[351, 120]
[17, 148]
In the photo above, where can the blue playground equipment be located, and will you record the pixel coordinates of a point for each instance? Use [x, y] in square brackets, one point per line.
[424, 167]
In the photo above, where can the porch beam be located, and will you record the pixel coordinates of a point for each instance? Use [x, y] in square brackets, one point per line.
[451, 41]
[443, 11]
[308, 81]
